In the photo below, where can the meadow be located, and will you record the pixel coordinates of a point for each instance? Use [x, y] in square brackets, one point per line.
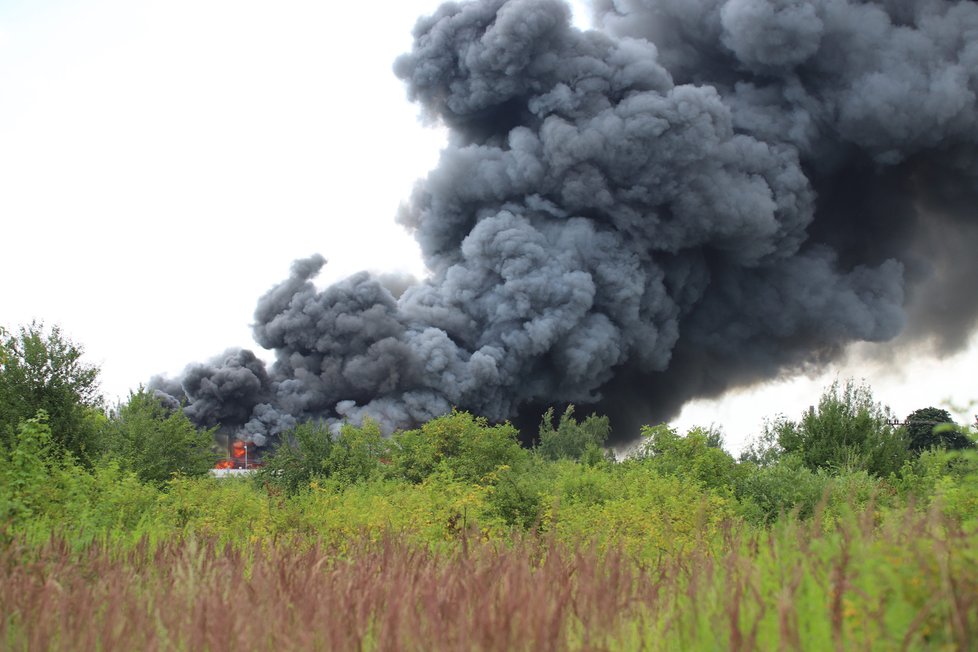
[663, 552]
[844, 529]
[902, 579]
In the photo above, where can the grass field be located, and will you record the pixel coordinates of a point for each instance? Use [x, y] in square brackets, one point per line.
[905, 581]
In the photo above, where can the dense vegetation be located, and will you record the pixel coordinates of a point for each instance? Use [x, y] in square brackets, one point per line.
[843, 529]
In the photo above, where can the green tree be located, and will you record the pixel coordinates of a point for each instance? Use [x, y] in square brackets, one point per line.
[466, 445]
[302, 455]
[932, 427]
[356, 453]
[25, 469]
[155, 442]
[572, 439]
[698, 455]
[519, 492]
[45, 371]
[848, 430]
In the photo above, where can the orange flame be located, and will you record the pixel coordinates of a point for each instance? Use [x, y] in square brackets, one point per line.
[239, 449]
[241, 456]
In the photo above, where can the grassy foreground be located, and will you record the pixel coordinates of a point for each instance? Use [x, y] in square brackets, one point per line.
[454, 537]
[906, 582]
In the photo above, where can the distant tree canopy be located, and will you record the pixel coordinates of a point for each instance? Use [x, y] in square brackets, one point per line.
[698, 454]
[155, 442]
[932, 427]
[573, 439]
[42, 370]
[847, 430]
[467, 446]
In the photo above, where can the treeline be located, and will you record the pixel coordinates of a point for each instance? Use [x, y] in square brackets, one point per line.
[68, 462]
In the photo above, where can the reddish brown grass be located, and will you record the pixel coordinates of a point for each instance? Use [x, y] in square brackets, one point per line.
[745, 594]
[386, 596]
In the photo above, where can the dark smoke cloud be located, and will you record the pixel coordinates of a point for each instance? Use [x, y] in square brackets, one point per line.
[697, 195]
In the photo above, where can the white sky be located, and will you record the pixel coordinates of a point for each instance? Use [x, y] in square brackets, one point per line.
[163, 162]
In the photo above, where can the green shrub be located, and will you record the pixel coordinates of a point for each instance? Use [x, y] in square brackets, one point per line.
[468, 445]
[26, 470]
[765, 492]
[633, 507]
[951, 477]
[572, 439]
[848, 431]
[696, 455]
[520, 493]
[302, 455]
[156, 442]
[356, 453]
[44, 370]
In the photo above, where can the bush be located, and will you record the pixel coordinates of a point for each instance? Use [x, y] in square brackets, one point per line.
[468, 446]
[302, 455]
[45, 371]
[25, 470]
[848, 431]
[697, 455]
[572, 439]
[156, 442]
[519, 494]
[951, 476]
[781, 488]
[356, 453]
[632, 507]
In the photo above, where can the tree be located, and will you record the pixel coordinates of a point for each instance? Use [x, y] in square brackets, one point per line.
[468, 446]
[699, 455]
[932, 427]
[155, 442]
[848, 431]
[356, 452]
[572, 439]
[302, 455]
[45, 371]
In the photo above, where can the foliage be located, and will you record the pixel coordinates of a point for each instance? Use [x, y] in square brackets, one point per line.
[520, 493]
[301, 456]
[45, 371]
[909, 582]
[467, 445]
[356, 453]
[932, 427]
[697, 455]
[156, 442]
[310, 452]
[764, 449]
[787, 486]
[632, 507]
[848, 430]
[24, 470]
[947, 477]
[572, 439]
[41, 493]
[817, 534]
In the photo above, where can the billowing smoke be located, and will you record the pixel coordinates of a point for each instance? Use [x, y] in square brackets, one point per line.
[696, 195]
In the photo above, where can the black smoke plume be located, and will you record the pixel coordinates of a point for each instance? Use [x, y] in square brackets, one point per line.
[696, 195]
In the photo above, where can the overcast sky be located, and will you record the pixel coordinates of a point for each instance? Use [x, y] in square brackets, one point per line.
[162, 162]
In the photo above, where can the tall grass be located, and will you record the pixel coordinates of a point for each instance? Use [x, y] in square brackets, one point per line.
[905, 581]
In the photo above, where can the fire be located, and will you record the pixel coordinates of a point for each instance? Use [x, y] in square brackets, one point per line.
[240, 456]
